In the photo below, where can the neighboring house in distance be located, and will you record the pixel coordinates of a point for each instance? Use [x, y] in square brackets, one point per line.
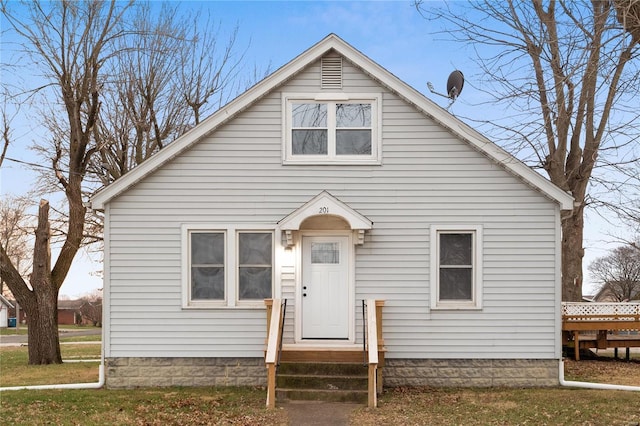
[5, 305]
[69, 312]
[328, 183]
[613, 291]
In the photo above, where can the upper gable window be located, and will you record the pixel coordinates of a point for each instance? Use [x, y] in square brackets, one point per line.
[332, 130]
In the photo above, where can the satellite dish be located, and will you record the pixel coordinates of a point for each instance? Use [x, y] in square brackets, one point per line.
[455, 82]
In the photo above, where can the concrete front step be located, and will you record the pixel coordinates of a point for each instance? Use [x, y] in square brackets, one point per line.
[359, 397]
[326, 369]
[321, 382]
[331, 382]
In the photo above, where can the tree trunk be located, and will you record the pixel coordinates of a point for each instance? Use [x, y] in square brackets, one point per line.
[41, 306]
[572, 254]
[42, 316]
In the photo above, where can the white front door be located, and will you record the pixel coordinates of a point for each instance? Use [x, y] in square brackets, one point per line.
[325, 287]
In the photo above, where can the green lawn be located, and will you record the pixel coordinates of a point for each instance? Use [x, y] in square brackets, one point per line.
[12, 331]
[15, 370]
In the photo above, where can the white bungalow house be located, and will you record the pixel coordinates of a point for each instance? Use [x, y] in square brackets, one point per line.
[328, 183]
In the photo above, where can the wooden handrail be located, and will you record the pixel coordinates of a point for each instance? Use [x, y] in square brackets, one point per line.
[372, 337]
[274, 337]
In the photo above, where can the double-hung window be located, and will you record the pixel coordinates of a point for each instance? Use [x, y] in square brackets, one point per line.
[255, 265]
[227, 267]
[323, 130]
[456, 267]
[207, 262]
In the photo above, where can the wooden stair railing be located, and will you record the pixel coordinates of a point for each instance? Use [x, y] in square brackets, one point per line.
[375, 346]
[372, 337]
[274, 339]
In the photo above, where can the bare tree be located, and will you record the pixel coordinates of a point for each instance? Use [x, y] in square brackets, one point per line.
[208, 72]
[15, 230]
[618, 273]
[567, 73]
[91, 308]
[71, 43]
[171, 73]
[115, 92]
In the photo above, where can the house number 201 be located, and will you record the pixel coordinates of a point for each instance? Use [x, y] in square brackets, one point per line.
[323, 210]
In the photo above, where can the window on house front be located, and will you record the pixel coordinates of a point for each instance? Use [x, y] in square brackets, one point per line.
[320, 131]
[456, 267]
[255, 270]
[227, 267]
[207, 266]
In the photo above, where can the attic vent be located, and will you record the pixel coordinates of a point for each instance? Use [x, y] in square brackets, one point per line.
[332, 72]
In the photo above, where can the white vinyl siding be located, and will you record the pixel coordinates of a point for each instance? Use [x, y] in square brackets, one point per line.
[428, 177]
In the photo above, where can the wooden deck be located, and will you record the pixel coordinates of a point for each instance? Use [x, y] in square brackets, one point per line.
[600, 326]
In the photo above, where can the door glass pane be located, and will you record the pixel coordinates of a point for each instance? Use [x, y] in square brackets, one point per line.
[455, 249]
[325, 253]
[353, 115]
[455, 284]
[309, 115]
[353, 142]
[309, 142]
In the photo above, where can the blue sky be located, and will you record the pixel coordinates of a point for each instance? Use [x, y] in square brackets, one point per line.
[392, 33]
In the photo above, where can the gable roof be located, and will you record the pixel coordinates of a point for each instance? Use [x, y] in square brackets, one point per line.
[6, 302]
[280, 76]
[72, 305]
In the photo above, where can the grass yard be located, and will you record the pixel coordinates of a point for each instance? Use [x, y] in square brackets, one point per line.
[555, 406]
[63, 330]
[245, 406]
[171, 406]
[90, 338]
[14, 370]
[12, 331]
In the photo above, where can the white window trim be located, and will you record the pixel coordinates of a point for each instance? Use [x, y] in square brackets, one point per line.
[435, 302]
[325, 97]
[231, 278]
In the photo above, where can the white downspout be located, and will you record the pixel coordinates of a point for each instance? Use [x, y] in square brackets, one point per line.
[590, 385]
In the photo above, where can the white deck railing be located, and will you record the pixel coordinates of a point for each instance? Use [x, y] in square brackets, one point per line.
[597, 311]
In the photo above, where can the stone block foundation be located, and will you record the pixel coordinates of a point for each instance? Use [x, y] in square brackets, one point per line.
[159, 372]
[471, 372]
